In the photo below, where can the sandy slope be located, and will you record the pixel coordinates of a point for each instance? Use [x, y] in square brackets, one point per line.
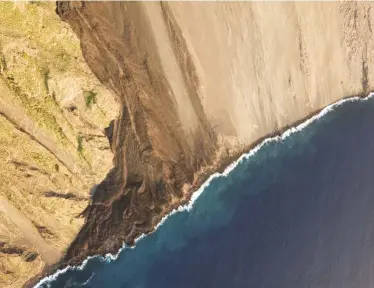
[199, 83]
[196, 83]
[266, 65]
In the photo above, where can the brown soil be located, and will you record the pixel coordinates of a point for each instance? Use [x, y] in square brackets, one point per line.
[157, 149]
[197, 84]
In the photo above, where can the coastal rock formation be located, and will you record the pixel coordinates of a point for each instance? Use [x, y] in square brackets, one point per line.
[167, 94]
[198, 84]
[162, 141]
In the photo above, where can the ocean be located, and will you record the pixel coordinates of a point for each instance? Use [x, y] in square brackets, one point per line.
[297, 211]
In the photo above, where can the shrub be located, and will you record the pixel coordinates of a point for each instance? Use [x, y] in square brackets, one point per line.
[80, 143]
[90, 98]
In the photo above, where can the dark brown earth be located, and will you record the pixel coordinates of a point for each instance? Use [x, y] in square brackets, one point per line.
[154, 159]
[198, 85]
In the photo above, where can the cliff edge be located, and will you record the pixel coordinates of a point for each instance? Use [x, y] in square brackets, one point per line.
[100, 141]
[198, 84]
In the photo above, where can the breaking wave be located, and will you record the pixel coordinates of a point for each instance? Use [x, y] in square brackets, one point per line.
[47, 281]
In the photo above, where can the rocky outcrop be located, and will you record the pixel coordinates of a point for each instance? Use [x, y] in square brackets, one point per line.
[156, 158]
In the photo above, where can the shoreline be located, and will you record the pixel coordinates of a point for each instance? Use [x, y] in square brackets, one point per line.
[223, 170]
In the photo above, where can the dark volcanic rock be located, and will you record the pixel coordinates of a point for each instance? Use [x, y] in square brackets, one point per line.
[155, 160]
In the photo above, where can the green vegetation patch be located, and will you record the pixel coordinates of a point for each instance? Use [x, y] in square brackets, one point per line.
[80, 143]
[90, 98]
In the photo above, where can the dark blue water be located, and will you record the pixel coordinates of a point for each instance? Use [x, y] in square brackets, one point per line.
[297, 214]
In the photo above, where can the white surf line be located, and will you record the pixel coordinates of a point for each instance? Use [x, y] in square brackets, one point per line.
[187, 207]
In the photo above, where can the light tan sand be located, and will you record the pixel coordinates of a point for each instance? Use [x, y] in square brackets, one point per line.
[266, 65]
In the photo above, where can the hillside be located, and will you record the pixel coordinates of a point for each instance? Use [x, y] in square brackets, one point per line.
[199, 83]
[53, 148]
[112, 114]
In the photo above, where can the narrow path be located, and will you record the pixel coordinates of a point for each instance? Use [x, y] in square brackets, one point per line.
[18, 117]
[50, 254]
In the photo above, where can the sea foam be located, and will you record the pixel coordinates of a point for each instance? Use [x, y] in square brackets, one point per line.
[47, 281]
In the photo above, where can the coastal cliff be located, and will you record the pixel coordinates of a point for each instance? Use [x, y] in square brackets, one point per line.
[167, 94]
[198, 84]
